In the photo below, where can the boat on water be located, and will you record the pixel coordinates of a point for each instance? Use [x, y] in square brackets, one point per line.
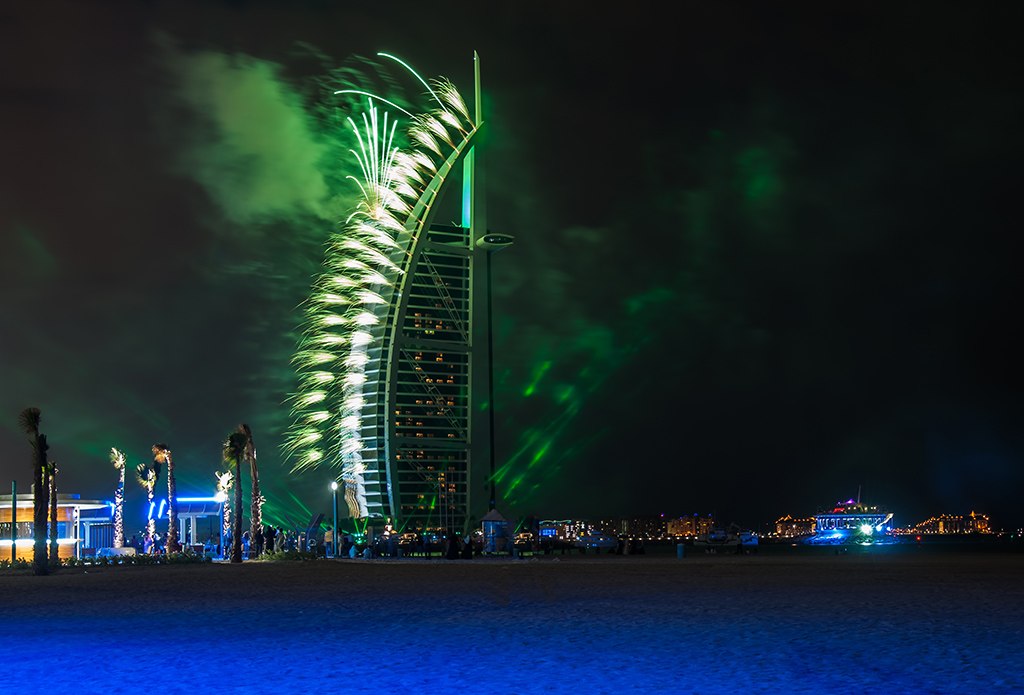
[853, 522]
[732, 539]
[597, 541]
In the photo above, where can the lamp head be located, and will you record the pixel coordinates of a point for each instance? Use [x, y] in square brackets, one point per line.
[493, 241]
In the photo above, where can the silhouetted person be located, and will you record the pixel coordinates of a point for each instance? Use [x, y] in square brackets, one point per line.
[467, 549]
[453, 548]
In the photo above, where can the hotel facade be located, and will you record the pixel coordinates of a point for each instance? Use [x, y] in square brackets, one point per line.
[395, 364]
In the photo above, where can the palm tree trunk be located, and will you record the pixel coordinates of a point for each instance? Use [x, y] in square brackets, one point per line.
[256, 503]
[226, 530]
[151, 524]
[236, 534]
[173, 546]
[40, 503]
[29, 421]
[54, 555]
[119, 462]
[233, 452]
[148, 477]
[119, 513]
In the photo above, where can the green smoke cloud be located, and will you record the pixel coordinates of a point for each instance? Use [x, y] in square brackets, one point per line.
[253, 148]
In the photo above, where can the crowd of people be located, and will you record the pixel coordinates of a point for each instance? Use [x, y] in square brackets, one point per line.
[328, 544]
[270, 539]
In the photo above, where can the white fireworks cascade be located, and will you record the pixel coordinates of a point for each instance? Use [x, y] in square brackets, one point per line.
[353, 299]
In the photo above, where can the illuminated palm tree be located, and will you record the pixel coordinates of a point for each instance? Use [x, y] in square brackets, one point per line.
[234, 452]
[148, 477]
[117, 458]
[162, 454]
[256, 508]
[51, 471]
[224, 483]
[29, 421]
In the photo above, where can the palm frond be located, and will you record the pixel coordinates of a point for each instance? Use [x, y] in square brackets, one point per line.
[161, 453]
[29, 420]
[143, 474]
[234, 447]
[117, 458]
[224, 480]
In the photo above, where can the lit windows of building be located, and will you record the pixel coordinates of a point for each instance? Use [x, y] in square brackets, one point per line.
[690, 525]
[794, 527]
[954, 524]
[402, 424]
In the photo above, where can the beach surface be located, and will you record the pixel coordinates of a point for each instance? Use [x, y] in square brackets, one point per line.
[765, 623]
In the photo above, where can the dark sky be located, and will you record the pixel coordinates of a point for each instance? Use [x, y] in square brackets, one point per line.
[766, 255]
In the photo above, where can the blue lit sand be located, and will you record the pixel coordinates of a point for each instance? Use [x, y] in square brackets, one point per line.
[887, 622]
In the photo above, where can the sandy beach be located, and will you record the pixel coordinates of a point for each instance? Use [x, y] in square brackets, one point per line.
[768, 623]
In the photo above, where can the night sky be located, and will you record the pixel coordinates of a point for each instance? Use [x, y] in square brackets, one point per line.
[765, 256]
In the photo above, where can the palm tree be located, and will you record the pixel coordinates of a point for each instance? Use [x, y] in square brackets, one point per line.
[148, 477]
[162, 454]
[234, 452]
[51, 470]
[29, 421]
[117, 458]
[256, 509]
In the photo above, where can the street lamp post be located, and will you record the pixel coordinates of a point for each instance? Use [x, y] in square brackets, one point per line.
[492, 242]
[14, 521]
[334, 536]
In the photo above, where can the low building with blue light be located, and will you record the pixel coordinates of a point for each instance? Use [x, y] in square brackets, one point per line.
[200, 520]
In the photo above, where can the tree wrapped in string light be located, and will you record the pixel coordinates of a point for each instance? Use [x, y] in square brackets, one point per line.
[147, 476]
[224, 483]
[233, 452]
[162, 455]
[117, 458]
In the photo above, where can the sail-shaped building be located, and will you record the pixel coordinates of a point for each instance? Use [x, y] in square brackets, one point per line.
[394, 359]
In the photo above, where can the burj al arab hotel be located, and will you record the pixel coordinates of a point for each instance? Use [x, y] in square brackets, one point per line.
[395, 387]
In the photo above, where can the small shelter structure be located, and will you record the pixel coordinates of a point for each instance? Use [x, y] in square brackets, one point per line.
[495, 528]
[192, 513]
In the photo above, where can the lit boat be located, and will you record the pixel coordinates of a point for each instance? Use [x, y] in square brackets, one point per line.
[852, 522]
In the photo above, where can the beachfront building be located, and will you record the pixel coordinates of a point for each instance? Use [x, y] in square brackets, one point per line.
[954, 524]
[852, 522]
[647, 527]
[793, 527]
[82, 525]
[692, 525]
[562, 529]
[396, 395]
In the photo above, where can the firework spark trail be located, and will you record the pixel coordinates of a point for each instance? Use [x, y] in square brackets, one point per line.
[354, 299]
